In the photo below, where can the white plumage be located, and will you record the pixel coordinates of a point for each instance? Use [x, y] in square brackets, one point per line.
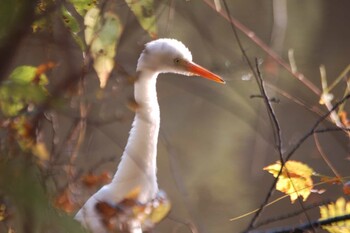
[137, 168]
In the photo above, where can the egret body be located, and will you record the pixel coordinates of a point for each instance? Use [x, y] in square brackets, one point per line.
[137, 167]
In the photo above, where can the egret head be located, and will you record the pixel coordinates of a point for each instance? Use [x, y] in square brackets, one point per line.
[171, 56]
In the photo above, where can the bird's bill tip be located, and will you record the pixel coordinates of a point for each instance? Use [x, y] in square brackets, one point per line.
[201, 71]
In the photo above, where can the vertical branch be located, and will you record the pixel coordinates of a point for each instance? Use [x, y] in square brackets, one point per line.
[52, 118]
[278, 141]
[271, 112]
[273, 119]
[79, 133]
[274, 122]
[81, 126]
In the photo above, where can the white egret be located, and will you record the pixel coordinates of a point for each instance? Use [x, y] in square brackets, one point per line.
[137, 167]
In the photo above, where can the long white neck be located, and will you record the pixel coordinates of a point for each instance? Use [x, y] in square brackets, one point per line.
[137, 168]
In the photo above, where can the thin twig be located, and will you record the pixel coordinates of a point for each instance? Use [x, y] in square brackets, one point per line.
[292, 151]
[272, 117]
[278, 141]
[325, 158]
[290, 215]
[307, 226]
[335, 129]
[314, 127]
[296, 100]
[250, 34]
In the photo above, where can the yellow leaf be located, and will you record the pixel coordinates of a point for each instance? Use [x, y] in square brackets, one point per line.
[295, 179]
[102, 34]
[161, 208]
[41, 152]
[103, 66]
[91, 21]
[153, 211]
[339, 208]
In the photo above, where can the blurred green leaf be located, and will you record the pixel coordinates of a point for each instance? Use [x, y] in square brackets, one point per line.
[72, 24]
[15, 97]
[144, 13]
[70, 21]
[83, 6]
[26, 75]
[102, 39]
[25, 85]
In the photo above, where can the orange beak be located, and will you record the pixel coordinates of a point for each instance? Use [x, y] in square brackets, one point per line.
[200, 71]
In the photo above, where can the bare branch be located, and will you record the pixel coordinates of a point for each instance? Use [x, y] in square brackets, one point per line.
[307, 226]
[290, 215]
[250, 34]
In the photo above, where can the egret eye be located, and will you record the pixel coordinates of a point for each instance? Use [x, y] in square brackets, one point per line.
[177, 61]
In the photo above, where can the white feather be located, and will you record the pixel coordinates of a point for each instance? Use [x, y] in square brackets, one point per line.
[138, 164]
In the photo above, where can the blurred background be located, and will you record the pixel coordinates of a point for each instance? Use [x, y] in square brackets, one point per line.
[214, 139]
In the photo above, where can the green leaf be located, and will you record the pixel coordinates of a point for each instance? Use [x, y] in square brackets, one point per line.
[144, 13]
[102, 36]
[15, 97]
[83, 6]
[10, 105]
[72, 24]
[26, 75]
[24, 86]
[69, 21]
[23, 74]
